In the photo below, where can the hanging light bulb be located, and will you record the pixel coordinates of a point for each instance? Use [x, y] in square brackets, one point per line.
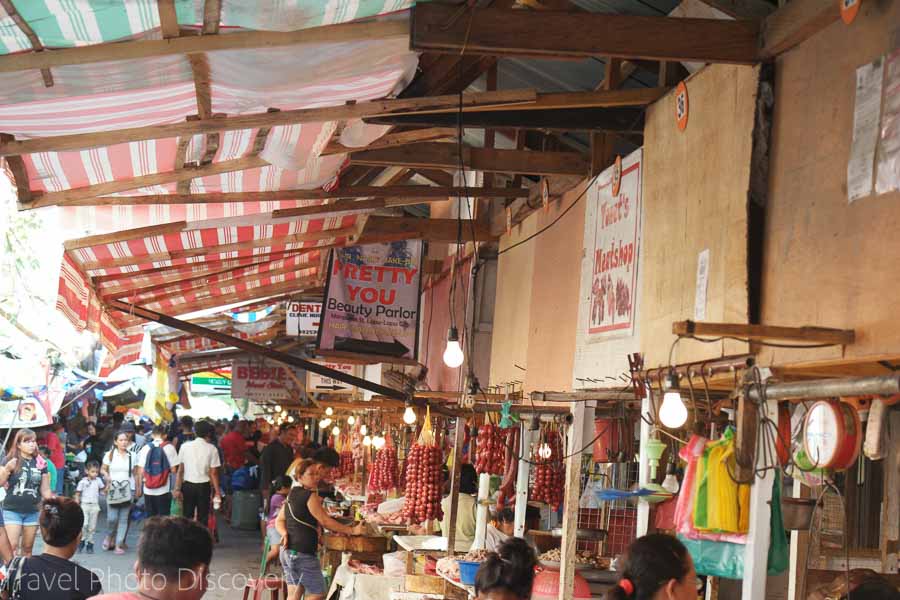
[306, 427]
[284, 413]
[367, 441]
[672, 412]
[670, 483]
[409, 415]
[324, 423]
[336, 431]
[545, 451]
[453, 354]
[329, 411]
[351, 420]
[378, 442]
[290, 419]
[363, 430]
[277, 408]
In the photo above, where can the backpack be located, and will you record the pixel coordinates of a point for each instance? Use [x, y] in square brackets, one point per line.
[157, 467]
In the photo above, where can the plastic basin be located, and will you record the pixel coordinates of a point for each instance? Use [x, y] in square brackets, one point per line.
[467, 571]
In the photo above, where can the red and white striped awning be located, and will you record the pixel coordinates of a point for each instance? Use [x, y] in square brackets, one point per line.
[179, 268]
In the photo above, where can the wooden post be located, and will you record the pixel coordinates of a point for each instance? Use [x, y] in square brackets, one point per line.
[570, 502]
[522, 481]
[643, 509]
[757, 549]
[799, 550]
[481, 515]
[454, 484]
[890, 506]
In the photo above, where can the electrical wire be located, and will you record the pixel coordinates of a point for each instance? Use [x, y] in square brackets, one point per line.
[749, 341]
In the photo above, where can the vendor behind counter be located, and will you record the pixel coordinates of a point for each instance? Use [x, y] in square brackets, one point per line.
[465, 511]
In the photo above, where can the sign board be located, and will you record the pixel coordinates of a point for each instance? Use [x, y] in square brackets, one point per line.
[613, 243]
[321, 384]
[303, 318]
[372, 300]
[32, 410]
[210, 382]
[259, 379]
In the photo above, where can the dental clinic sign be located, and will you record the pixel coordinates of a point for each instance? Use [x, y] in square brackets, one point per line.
[371, 301]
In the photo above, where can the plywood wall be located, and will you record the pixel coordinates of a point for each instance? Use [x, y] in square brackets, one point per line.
[827, 262]
[512, 314]
[554, 296]
[695, 197]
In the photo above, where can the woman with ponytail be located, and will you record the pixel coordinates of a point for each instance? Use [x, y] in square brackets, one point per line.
[507, 574]
[657, 567]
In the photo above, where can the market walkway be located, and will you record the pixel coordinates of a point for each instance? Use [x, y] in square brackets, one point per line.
[235, 558]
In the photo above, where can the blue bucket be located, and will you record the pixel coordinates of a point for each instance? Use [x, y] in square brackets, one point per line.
[467, 571]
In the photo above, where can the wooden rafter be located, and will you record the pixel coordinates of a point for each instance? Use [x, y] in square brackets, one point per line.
[123, 185]
[794, 22]
[804, 335]
[436, 154]
[395, 139]
[19, 174]
[440, 28]
[388, 229]
[448, 103]
[742, 9]
[131, 50]
[437, 177]
[402, 194]
[29, 33]
[244, 279]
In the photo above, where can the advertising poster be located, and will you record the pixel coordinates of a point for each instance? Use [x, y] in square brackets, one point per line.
[613, 243]
[320, 384]
[258, 379]
[303, 318]
[372, 300]
[26, 407]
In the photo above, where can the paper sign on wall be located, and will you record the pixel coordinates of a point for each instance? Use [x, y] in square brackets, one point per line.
[303, 318]
[320, 383]
[372, 300]
[613, 245]
[866, 118]
[702, 286]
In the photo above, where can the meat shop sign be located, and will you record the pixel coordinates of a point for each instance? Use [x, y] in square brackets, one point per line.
[260, 379]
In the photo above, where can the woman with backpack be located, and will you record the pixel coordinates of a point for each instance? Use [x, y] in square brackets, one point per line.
[28, 481]
[158, 461]
[120, 470]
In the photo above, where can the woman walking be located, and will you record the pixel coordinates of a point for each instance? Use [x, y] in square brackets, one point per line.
[28, 481]
[120, 469]
[299, 520]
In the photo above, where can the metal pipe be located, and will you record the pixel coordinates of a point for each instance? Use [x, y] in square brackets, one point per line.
[881, 385]
[709, 367]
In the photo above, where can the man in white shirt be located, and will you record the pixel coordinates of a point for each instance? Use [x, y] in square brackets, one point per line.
[198, 474]
[158, 486]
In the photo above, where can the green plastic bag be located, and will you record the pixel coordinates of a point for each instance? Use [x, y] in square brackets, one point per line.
[175, 509]
[726, 559]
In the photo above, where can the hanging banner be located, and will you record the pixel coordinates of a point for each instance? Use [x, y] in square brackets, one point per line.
[303, 318]
[259, 379]
[372, 300]
[211, 382]
[321, 384]
[613, 242]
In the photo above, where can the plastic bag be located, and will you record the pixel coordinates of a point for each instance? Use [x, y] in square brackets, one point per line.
[175, 509]
[779, 552]
[395, 564]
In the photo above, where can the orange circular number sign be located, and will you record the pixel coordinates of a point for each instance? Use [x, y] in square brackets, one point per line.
[681, 106]
[849, 10]
[617, 176]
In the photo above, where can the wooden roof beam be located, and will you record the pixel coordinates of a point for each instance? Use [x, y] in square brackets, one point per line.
[448, 103]
[794, 22]
[389, 229]
[445, 156]
[398, 138]
[439, 28]
[136, 49]
[29, 33]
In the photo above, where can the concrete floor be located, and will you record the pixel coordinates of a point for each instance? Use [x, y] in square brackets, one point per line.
[235, 558]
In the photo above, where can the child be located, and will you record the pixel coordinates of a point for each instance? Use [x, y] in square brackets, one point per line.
[87, 494]
[282, 486]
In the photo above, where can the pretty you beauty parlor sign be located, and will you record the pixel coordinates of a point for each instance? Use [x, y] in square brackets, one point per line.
[371, 301]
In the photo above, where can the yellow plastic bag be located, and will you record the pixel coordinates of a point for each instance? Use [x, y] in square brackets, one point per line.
[728, 502]
[426, 436]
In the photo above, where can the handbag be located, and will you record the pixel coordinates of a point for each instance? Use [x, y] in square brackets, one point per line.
[119, 491]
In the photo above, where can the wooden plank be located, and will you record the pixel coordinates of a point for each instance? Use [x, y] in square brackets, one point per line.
[622, 119]
[212, 14]
[19, 173]
[33, 39]
[742, 9]
[200, 71]
[399, 138]
[81, 141]
[121, 236]
[301, 283]
[581, 413]
[168, 20]
[458, 438]
[422, 193]
[436, 154]
[577, 35]
[131, 50]
[294, 238]
[386, 229]
[437, 177]
[228, 340]
[889, 542]
[811, 335]
[123, 185]
[794, 22]
[263, 292]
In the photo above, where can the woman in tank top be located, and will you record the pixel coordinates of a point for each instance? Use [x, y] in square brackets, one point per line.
[301, 517]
